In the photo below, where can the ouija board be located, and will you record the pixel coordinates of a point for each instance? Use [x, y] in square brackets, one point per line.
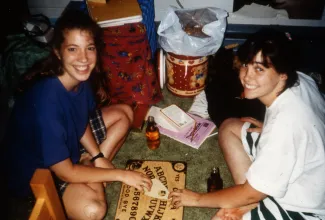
[135, 205]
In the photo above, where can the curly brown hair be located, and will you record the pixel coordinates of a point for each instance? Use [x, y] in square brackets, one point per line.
[51, 66]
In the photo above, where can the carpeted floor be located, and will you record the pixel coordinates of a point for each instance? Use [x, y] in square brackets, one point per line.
[199, 161]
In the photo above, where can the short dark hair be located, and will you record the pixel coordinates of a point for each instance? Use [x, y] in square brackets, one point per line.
[277, 51]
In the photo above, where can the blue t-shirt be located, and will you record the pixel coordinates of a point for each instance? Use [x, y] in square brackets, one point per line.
[46, 126]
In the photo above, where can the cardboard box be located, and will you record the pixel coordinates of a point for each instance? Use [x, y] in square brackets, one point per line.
[115, 12]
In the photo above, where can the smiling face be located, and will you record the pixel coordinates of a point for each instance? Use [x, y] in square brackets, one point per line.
[78, 56]
[261, 82]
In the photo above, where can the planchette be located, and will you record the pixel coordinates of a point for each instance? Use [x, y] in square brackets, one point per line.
[158, 190]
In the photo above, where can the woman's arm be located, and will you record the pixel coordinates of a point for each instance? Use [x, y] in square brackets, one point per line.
[236, 196]
[78, 173]
[89, 143]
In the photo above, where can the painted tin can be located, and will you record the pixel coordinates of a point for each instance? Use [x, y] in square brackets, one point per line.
[186, 74]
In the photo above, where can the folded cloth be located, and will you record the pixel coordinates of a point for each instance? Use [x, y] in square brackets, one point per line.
[127, 61]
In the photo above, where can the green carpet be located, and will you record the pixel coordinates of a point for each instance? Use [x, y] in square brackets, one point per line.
[199, 161]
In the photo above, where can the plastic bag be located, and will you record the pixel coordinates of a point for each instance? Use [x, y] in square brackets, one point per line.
[192, 32]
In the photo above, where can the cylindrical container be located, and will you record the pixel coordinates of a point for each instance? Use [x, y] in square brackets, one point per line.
[152, 134]
[186, 74]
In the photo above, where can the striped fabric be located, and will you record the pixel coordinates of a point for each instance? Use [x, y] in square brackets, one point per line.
[269, 209]
[251, 141]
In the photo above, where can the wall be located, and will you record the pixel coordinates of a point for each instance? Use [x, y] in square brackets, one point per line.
[162, 5]
[50, 8]
[53, 8]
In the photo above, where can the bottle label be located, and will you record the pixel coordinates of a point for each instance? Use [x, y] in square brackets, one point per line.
[152, 135]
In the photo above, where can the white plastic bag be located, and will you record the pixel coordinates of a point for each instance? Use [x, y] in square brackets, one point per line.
[211, 23]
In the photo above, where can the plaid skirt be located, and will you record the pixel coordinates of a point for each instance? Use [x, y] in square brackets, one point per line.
[97, 126]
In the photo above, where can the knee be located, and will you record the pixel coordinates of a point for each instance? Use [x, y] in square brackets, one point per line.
[95, 210]
[128, 111]
[228, 125]
[229, 130]
[117, 112]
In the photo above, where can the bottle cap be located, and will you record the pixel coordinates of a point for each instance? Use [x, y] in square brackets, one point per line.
[151, 119]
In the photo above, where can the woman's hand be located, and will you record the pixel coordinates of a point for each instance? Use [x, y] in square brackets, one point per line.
[223, 214]
[184, 197]
[137, 180]
[255, 122]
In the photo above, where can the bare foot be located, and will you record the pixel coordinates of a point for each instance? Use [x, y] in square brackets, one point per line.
[233, 213]
[85, 159]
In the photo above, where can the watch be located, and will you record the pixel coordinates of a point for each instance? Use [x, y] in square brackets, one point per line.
[97, 156]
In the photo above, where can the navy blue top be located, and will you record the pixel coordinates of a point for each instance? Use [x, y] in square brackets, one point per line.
[46, 126]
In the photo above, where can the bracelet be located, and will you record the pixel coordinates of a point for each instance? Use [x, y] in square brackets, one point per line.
[97, 156]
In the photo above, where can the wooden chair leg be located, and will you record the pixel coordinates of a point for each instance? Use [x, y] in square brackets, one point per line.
[48, 204]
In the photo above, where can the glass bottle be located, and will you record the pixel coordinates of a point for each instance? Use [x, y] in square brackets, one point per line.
[152, 134]
[214, 181]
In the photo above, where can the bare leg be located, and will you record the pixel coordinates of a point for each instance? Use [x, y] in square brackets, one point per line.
[118, 120]
[88, 201]
[229, 139]
[85, 201]
[237, 161]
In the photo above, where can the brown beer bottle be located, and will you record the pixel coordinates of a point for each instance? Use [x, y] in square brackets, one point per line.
[214, 181]
[152, 134]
